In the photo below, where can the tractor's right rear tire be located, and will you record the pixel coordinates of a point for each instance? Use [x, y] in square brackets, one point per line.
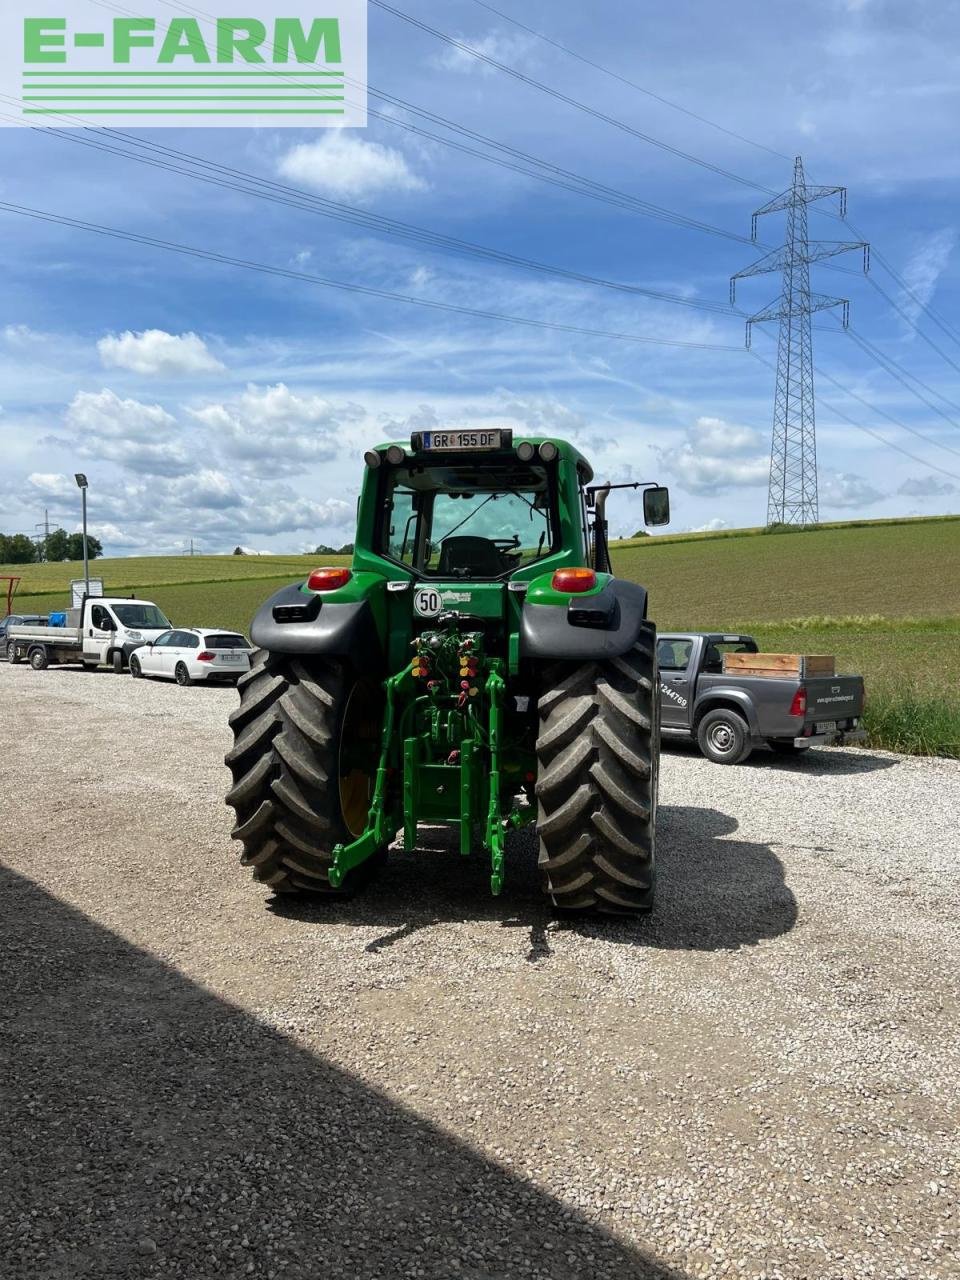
[306, 743]
[597, 770]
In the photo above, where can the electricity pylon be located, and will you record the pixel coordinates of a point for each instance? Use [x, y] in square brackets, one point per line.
[792, 495]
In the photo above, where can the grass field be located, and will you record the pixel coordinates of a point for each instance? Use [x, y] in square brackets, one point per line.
[884, 597]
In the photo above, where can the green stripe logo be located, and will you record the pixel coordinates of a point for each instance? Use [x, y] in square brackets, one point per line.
[293, 63]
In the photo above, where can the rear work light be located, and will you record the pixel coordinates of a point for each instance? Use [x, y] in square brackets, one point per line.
[328, 579]
[206, 656]
[798, 707]
[574, 580]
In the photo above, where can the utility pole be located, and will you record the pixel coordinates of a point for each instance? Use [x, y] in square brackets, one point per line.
[81, 480]
[792, 494]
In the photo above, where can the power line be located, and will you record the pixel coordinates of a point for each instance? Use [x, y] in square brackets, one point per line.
[293, 197]
[367, 290]
[897, 371]
[913, 325]
[544, 170]
[913, 297]
[932, 466]
[615, 75]
[565, 98]
[821, 373]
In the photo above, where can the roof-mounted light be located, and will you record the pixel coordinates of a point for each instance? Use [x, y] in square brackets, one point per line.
[372, 459]
[395, 455]
[525, 450]
[548, 451]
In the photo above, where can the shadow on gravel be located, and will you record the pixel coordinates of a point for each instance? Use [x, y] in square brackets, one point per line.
[713, 892]
[151, 1129]
[814, 761]
[828, 763]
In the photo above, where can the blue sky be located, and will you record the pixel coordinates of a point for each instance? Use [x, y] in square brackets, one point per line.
[209, 402]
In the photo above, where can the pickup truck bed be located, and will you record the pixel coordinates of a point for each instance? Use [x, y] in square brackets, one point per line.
[731, 714]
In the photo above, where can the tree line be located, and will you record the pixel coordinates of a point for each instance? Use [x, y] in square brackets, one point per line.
[18, 548]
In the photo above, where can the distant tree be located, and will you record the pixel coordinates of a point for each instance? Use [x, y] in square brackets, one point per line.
[324, 550]
[17, 548]
[239, 551]
[75, 546]
[56, 546]
[641, 533]
[345, 550]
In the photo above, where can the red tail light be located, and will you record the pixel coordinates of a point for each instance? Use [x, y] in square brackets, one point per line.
[798, 707]
[206, 656]
[328, 579]
[574, 580]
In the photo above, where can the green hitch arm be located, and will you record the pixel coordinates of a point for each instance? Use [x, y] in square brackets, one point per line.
[378, 830]
[495, 835]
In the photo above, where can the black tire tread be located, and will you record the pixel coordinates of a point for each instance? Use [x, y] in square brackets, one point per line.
[597, 766]
[284, 768]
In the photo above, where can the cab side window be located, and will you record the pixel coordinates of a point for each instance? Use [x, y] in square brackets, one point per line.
[674, 655]
[100, 619]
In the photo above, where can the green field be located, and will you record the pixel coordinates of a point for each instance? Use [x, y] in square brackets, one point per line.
[883, 596]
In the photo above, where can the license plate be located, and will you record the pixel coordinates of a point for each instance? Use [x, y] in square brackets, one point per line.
[826, 726]
[451, 441]
[231, 657]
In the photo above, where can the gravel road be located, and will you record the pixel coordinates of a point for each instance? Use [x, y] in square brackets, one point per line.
[758, 1081]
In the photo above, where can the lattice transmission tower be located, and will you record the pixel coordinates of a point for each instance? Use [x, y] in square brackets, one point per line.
[792, 495]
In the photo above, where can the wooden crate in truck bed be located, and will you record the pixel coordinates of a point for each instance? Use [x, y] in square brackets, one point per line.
[779, 664]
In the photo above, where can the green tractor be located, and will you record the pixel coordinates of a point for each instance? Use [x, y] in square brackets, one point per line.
[478, 666]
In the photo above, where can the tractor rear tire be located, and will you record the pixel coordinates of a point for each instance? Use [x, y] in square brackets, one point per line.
[292, 797]
[598, 756]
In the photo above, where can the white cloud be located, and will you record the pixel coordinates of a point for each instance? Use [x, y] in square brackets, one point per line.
[926, 487]
[103, 413]
[712, 526]
[157, 353]
[926, 266]
[277, 428]
[500, 46]
[717, 456]
[846, 490]
[342, 165]
[139, 436]
[52, 485]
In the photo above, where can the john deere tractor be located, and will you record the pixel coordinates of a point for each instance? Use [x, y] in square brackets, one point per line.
[477, 666]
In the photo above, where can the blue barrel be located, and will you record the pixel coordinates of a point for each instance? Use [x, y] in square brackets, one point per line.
[58, 620]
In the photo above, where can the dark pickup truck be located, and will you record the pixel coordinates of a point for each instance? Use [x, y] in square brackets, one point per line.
[729, 715]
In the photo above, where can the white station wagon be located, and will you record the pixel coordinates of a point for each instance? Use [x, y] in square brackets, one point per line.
[191, 654]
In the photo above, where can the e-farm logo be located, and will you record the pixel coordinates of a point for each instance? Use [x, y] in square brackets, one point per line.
[277, 63]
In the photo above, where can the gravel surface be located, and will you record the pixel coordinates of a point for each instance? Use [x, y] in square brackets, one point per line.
[758, 1081]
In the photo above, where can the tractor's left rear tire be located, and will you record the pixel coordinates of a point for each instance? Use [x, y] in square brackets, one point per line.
[597, 773]
[306, 740]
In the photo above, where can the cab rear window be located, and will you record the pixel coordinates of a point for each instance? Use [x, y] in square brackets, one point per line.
[226, 642]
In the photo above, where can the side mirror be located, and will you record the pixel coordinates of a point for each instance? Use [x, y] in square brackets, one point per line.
[656, 505]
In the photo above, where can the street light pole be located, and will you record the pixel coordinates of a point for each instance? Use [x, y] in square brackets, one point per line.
[81, 480]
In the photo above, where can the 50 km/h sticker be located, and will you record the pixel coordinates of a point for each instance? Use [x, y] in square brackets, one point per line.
[427, 602]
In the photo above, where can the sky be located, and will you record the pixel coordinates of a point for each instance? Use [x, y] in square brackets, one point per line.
[209, 402]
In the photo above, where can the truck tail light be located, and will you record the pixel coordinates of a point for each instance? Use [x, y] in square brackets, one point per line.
[328, 579]
[206, 656]
[798, 707]
[574, 580]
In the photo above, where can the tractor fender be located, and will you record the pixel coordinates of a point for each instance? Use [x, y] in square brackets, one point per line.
[291, 622]
[602, 625]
